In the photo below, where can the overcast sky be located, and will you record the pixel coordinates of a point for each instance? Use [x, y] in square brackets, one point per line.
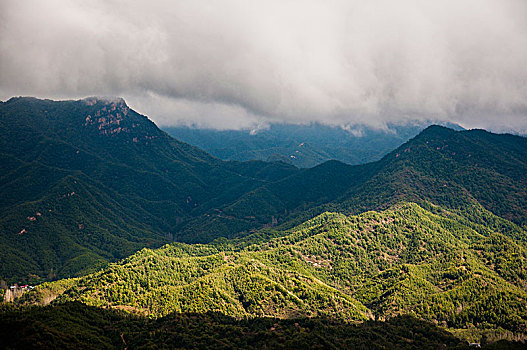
[240, 64]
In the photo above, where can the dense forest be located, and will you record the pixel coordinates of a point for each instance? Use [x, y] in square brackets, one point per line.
[456, 273]
[91, 181]
[75, 325]
[134, 239]
[87, 182]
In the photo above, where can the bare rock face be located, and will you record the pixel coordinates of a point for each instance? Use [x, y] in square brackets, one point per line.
[109, 116]
[12, 293]
[112, 117]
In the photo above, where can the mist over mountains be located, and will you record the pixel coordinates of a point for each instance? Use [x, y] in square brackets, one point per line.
[265, 174]
[304, 146]
[100, 206]
[237, 65]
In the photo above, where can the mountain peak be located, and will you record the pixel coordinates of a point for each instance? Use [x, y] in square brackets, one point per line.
[24, 99]
[435, 131]
[105, 100]
[435, 128]
[109, 115]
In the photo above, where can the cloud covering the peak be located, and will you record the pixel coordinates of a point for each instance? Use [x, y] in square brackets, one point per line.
[237, 64]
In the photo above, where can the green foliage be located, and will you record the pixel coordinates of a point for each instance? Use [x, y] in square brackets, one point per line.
[86, 182]
[402, 261]
[440, 167]
[74, 326]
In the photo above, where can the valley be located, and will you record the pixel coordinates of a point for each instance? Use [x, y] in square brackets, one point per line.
[302, 145]
[115, 221]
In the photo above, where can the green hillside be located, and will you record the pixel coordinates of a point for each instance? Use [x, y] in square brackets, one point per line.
[453, 169]
[405, 260]
[91, 181]
[75, 326]
[87, 182]
[430, 238]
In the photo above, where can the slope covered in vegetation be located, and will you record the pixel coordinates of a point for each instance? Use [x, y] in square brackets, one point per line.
[87, 182]
[403, 261]
[458, 170]
[91, 181]
[74, 326]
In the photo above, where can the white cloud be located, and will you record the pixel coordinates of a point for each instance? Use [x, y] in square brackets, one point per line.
[244, 63]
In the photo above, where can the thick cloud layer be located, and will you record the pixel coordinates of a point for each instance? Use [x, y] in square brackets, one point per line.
[232, 64]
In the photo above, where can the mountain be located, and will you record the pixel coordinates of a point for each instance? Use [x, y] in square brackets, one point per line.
[91, 181]
[459, 170]
[442, 268]
[304, 146]
[429, 238]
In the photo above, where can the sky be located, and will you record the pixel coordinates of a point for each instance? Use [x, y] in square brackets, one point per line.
[234, 64]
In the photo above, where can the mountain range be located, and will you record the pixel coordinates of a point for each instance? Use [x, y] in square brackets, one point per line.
[94, 194]
[84, 182]
[304, 146]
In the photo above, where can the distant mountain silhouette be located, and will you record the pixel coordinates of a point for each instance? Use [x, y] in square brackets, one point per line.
[304, 146]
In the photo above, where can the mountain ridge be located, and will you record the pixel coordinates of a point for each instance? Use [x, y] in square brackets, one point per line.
[115, 151]
[166, 189]
[302, 145]
[349, 268]
[435, 230]
[425, 167]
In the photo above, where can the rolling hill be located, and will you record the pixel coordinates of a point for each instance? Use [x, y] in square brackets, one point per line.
[432, 237]
[442, 268]
[459, 170]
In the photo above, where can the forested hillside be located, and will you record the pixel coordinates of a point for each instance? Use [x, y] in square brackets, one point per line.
[454, 169]
[440, 267]
[74, 326]
[304, 146]
[90, 181]
[428, 239]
